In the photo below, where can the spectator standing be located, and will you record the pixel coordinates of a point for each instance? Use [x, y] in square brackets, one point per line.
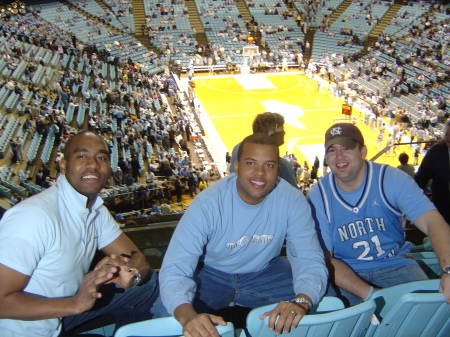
[435, 166]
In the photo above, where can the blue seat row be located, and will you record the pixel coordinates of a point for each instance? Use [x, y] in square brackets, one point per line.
[5, 192]
[34, 147]
[8, 133]
[6, 173]
[48, 146]
[410, 309]
[15, 188]
[35, 189]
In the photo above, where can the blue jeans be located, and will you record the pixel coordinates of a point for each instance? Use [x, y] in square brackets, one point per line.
[128, 306]
[381, 278]
[217, 290]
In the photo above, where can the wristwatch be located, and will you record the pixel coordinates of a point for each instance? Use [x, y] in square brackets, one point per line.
[138, 279]
[446, 269]
[302, 300]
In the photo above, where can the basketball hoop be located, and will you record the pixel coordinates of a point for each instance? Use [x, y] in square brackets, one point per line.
[250, 51]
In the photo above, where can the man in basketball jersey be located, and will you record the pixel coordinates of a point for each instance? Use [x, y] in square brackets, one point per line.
[359, 207]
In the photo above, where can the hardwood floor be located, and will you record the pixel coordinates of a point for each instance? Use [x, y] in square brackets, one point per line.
[232, 101]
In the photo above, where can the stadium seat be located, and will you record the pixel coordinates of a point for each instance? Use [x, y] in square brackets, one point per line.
[424, 247]
[329, 318]
[167, 326]
[411, 309]
[429, 262]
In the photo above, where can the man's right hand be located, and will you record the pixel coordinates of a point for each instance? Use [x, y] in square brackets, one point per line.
[88, 292]
[16, 303]
[202, 325]
[197, 325]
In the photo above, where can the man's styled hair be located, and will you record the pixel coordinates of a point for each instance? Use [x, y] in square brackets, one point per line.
[267, 121]
[258, 138]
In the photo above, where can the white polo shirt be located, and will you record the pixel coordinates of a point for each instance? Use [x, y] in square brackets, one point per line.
[52, 237]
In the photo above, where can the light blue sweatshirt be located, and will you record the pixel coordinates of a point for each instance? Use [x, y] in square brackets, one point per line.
[241, 238]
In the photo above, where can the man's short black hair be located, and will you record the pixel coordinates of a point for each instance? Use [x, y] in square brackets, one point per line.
[257, 138]
[267, 121]
[403, 158]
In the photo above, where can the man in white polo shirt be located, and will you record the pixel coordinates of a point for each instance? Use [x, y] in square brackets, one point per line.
[47, 243]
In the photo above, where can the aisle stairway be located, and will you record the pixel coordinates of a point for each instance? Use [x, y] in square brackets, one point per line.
[341, 9]
[196, 23]
[194, 17]
[310, 38]
[139, 20]
[139, 16]
[243, 10]
[384, 21]
[101, 4]
[247, 18]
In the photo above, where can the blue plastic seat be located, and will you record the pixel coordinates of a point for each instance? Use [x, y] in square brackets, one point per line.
[161, 327]
[424, 247]
[429, 263]
[411, 309]
[328, 319]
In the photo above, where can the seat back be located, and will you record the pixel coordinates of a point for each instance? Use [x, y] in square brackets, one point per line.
[387, 297]
[162, 327]
[417, 314]
[411, 309]
[425, 247]
[342, 322]
[429, 263]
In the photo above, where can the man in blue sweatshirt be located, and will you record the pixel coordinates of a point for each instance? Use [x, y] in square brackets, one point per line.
[226, 248]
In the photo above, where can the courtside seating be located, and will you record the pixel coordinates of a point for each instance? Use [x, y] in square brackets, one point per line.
[411, 309]
[329, 318]
[167, 326]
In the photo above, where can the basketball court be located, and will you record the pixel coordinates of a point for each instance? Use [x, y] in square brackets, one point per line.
[228, 104]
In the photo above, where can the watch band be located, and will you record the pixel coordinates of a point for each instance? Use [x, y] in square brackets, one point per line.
[302, 300]
[446, 269]
[138, 279]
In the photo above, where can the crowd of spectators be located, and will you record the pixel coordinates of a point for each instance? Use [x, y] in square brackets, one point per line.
[404, 80]
[145, 119]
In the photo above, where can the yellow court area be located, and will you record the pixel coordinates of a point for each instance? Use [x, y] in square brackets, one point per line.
[231, 103]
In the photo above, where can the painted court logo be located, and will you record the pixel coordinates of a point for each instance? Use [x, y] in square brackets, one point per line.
[336, 131]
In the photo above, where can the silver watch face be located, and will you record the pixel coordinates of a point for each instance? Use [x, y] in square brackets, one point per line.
[446, 269]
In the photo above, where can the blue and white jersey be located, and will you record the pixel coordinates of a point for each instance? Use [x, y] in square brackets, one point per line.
[363, 227]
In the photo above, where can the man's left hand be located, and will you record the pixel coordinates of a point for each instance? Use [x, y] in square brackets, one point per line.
[288, 314]
[444, 286]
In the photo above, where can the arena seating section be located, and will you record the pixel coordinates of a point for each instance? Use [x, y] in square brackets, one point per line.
[87, 50]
